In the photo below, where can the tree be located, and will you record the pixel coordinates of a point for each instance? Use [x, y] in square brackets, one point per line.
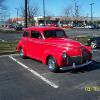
[68, 11]
[32, 11]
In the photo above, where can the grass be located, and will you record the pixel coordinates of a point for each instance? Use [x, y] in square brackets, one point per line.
[8, 47]
[83, 40]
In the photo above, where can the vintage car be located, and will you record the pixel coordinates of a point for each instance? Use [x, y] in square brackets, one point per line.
[51, 46]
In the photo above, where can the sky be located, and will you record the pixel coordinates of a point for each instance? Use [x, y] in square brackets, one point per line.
[55, 7]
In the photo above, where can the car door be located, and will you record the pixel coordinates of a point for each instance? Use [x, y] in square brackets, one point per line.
[25, 39]
[36, 45]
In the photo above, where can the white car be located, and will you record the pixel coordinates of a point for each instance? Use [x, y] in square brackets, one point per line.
[88, 26]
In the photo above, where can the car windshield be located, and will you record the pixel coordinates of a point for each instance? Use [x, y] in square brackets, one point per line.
[54, 34]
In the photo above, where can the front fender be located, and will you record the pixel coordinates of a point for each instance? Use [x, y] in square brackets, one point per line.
[57, 54]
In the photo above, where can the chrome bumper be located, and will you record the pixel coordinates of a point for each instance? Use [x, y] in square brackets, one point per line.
[75, 66]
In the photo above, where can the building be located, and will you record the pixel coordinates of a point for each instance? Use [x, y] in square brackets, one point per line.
[54, 20]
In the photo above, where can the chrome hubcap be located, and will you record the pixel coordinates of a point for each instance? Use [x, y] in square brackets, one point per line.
[21, 52]
[51, 64]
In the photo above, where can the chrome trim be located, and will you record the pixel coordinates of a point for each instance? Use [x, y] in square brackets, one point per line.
[75, 66]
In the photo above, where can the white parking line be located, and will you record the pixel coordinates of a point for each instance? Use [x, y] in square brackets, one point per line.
[9, 55]
[35, 73]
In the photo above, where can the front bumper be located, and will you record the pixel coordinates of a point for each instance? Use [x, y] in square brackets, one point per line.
[75, 66]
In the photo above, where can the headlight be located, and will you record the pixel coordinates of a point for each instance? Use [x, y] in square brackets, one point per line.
[64, 55]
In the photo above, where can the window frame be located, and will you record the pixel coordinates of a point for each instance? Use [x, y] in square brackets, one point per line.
[34, 33]
[65, 36]
[27, 35]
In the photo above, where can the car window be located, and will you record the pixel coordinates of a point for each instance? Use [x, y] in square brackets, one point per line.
[54, 33]
[35, 34]
[26, 34]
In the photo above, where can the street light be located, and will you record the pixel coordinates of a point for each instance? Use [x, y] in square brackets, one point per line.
[92, 11]
[26, 13]
[17, 14]
[44, 12]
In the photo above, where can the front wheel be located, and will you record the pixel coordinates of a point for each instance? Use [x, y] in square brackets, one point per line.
[52, 64]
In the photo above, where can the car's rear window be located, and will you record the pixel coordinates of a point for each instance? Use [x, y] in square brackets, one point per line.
[54, 34]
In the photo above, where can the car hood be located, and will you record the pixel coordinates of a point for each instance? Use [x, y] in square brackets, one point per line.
[63, 42]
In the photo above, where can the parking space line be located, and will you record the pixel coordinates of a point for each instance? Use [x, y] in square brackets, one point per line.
[35, 73]
[9, 55]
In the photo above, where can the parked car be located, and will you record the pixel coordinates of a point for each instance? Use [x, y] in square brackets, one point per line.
[94, 42]
[11, 26]
[95, 27]
[88, 26]
[51, 46]
[18, 28]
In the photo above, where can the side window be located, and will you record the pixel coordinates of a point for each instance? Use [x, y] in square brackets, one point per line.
[26, 34]
[35, 34]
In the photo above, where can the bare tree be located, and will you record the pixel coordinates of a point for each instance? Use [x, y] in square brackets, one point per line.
[32, 11]
[67, 11]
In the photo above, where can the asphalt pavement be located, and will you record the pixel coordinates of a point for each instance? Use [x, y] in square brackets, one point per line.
[10, 36]
[28, 79]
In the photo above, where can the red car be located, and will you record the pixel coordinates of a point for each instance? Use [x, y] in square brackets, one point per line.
[51, 46]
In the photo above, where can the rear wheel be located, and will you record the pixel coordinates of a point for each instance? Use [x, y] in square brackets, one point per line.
[94, 44]
[52, 64]
[21, 53]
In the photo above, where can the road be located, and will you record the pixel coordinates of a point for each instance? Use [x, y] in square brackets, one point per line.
[69, 32]
[10, 36]
[27, 79]
[77, 32]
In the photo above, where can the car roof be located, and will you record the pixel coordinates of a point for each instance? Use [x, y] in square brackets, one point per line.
[42, 28]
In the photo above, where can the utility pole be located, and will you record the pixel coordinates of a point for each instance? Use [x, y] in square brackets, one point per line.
[76, 12]
[26, 13]
[17, 14]
[9, 17]
[92, 12]
[76, 9]
[44, 12]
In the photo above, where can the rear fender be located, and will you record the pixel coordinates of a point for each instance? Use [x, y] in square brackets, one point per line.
[20, 45]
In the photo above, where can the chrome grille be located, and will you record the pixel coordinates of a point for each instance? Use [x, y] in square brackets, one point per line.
[77, 60]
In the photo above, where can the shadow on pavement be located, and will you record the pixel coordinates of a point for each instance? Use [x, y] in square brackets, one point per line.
[91, 67]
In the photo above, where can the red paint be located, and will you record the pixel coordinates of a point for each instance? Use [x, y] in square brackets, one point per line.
[41, 48]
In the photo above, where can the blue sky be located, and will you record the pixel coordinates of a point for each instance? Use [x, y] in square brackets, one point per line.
[55, 7]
